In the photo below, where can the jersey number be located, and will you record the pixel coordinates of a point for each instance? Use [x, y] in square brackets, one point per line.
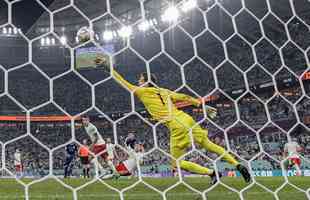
[161, 98]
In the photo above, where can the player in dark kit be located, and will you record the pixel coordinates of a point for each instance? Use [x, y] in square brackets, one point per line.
[71, 151]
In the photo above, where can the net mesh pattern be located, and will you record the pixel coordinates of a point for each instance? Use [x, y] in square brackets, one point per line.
[234, 50]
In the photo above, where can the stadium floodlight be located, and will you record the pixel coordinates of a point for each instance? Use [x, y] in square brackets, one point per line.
[97, 37]
[154, 22]
[4, 30]
[115, 34]
[77, 39]
[42, 41]
[144, 26]
[10, 30]
[53, 41]
[189, 5]
[107, 35]
[171, 14]
[15, 30]
[48, 41]
[125, 31]
[63, 40]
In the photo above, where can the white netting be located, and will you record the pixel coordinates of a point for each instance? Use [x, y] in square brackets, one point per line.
[247, 58]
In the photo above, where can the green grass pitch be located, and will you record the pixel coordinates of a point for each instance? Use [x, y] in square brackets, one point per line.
[50, 189]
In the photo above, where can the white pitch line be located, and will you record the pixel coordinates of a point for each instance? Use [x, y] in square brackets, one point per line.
[141, 195]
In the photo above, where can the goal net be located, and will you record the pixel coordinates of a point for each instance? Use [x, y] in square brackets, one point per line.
[249, 59]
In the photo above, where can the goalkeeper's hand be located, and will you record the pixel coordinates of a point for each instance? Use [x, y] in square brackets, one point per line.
[101, 62]
[211, 112]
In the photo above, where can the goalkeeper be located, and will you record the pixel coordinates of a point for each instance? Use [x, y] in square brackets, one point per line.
[159, 102]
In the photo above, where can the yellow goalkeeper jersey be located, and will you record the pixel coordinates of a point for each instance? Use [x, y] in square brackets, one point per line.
[159, 102]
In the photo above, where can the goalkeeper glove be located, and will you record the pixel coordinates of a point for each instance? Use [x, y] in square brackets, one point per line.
[211, 112]
[101, 62]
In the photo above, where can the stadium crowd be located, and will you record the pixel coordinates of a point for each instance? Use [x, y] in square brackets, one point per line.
[70, 92]
[242, 142]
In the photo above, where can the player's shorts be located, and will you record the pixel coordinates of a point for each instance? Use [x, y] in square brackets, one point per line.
[84, 160]
[122, 169]
[99, 149]
[18, 167]
[296, 161]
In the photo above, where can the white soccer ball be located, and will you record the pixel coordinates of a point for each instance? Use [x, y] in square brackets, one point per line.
[84, 34]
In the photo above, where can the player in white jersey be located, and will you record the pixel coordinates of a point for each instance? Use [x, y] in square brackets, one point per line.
[92, 132]
[111, 154]
[18, 163]
[98, 146]
[135, 153]
[110, 150]
[291, 152]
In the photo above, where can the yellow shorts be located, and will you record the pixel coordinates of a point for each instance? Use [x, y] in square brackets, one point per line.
[180, 138]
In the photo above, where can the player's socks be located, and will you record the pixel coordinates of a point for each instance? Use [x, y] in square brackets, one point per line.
[84, 173]
[174, 172]
[244, 172]
[66, 172]
[69, 173]
[212, 147]
[298, 171]
[18, 175]
[87, 173]
[195, 168]
[214, 178]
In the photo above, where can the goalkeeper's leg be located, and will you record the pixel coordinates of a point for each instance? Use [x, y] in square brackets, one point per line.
[179, 142]
[201, 137]
[183, 123]
[177, 152]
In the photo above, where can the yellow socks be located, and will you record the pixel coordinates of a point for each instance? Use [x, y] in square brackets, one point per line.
[210, 146]
[195, 168]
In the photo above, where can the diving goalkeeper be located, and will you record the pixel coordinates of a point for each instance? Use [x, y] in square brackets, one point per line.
[159, 102]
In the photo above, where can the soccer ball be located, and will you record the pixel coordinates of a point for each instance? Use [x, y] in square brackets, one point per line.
[84, 34]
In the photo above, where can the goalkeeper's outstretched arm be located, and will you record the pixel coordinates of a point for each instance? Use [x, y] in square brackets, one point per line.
[211, 112]
[116, 75]
[183, 97]
[122, 81]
